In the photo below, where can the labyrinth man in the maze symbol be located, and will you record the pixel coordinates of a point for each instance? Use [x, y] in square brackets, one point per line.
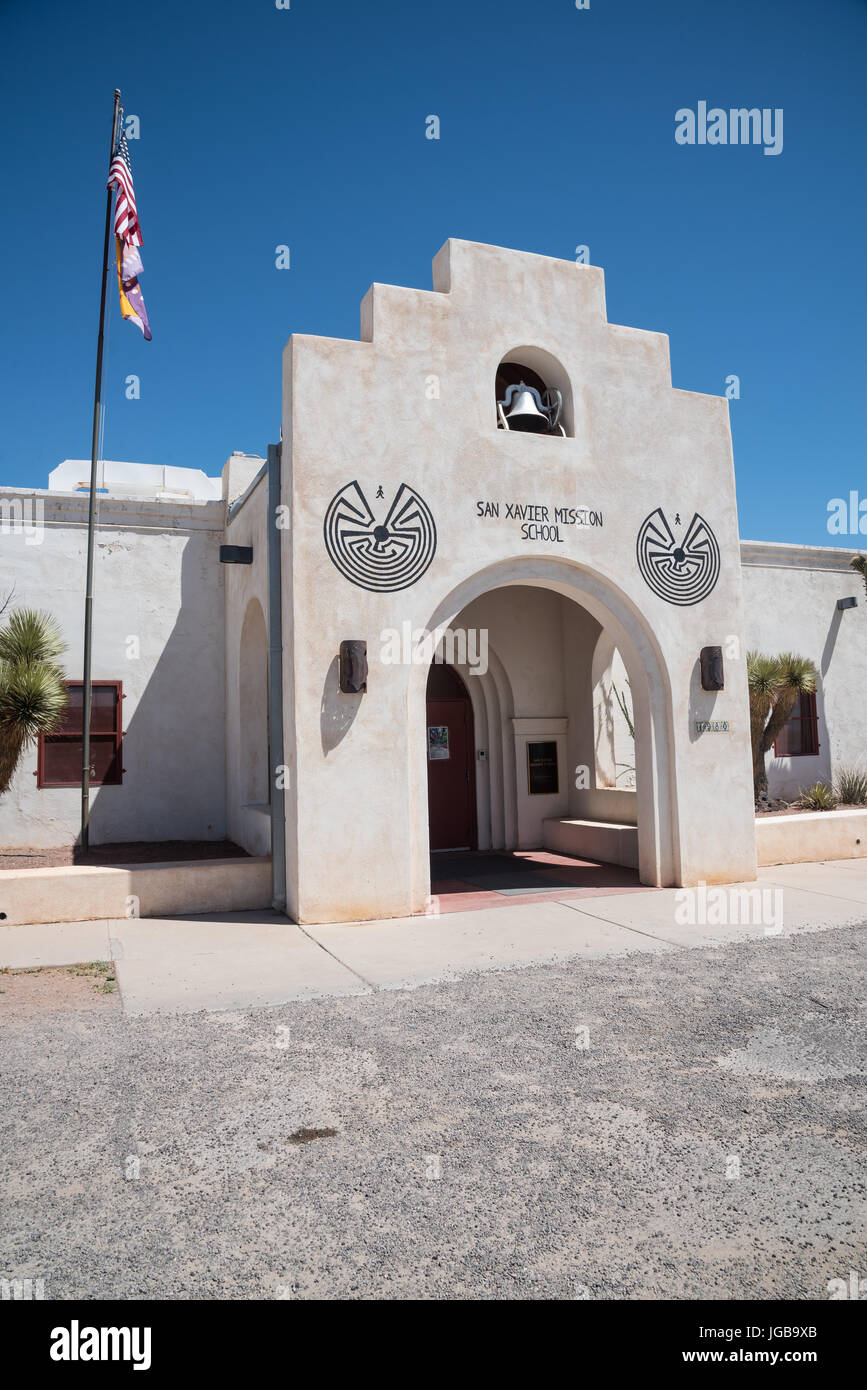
[380, 555]
[684, 572]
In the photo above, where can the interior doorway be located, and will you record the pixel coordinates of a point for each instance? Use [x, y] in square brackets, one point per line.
[450, 761]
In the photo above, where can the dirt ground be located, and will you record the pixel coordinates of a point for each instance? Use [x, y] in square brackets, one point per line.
[158, 852]
[28, 994]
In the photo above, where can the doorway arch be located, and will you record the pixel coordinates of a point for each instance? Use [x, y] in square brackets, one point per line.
[493, 707]
[658, 852]
[451, 748]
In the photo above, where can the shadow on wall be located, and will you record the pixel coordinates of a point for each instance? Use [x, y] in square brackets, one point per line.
[701, 705]
[173, 748]
[337, 711]
[613, 743]
[831, 640]
[788, 776]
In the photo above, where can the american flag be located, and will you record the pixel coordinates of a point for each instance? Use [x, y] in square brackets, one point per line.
[126, 224]
[127, 237]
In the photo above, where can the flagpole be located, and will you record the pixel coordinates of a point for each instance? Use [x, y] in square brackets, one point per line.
[91, 514]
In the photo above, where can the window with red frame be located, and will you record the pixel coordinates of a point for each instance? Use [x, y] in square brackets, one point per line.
[800, 737]
[59, 760]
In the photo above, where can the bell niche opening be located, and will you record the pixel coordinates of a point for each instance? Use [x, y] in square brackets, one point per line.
[532, 394]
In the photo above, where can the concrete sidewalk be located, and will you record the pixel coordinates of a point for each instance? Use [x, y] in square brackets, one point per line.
[256, 959]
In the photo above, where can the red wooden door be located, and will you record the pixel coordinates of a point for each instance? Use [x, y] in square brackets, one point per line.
[451, 790]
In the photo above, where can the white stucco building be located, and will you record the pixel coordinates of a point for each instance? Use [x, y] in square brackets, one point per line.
[578, 567]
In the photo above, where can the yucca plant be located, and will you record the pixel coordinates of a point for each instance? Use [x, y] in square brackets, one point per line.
[763, 677]
[819, 797]
[32, 688]
[775, 685]
[851, 786]
[859, 564]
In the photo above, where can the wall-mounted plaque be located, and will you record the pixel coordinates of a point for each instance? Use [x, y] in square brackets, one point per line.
[542, 775]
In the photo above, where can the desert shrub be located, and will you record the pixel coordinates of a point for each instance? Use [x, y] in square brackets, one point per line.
[851, 786]
[32, 685]
[819, 797]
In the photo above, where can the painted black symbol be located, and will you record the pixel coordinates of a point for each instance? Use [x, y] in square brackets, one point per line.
[683, 574]
[379, 492]
[383, 556]
[677, 520]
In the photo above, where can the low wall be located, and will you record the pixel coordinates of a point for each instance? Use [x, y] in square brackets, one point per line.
[83, 892]
[615, 805]
[810, 836]
[593, 839]
[255, 829]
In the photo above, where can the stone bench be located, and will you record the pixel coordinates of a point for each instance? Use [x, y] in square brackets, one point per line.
[593, 839]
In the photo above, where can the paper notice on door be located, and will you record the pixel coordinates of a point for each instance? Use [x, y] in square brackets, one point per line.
[437, 742]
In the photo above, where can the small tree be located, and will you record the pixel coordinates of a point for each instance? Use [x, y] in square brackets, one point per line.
[775, 684]
[859, 564]
[32, 686]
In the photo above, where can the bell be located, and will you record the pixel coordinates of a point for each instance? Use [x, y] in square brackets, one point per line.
[525, 412]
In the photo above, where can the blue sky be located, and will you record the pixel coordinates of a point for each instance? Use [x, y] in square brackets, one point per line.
[306, 127]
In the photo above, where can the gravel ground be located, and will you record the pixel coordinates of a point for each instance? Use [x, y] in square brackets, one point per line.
[601, 1171]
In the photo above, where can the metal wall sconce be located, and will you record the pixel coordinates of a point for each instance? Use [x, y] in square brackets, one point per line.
[847, 603]
[236, 554]
[712, 677]
[353, 668]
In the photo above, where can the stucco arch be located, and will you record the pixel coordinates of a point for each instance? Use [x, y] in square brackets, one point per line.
[630, 632]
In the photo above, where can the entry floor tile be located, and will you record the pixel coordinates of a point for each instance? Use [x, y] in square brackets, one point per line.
[465, 881]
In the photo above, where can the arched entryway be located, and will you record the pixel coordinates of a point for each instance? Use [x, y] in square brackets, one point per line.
[654, 796]
[520, 662]
[450, 766]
